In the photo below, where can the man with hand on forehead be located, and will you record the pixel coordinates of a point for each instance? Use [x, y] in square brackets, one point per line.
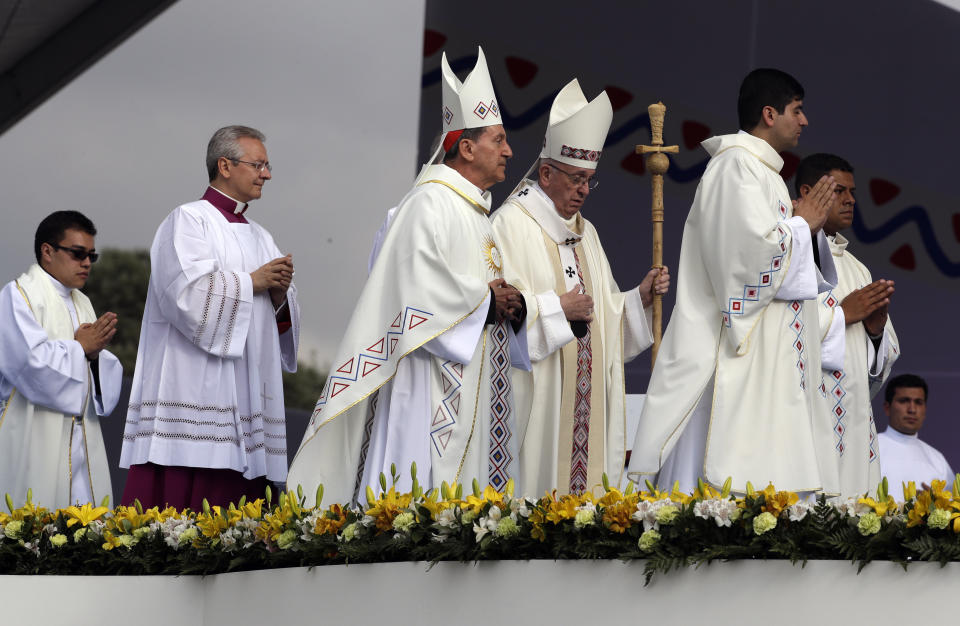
[206, 416]
[56, 377]
[571, 408]
[857, 306]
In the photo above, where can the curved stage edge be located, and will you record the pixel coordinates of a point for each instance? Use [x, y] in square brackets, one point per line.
[534, 592]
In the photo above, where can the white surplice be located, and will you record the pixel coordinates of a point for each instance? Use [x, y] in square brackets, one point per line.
[850, 388]
[539, 246]
[207, 390]
[46, 385]
[736, 388]
[904, 458]
[412, 378]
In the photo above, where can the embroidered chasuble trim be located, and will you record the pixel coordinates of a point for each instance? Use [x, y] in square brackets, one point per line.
[463, 195]
[365, 445]
[388, 379]
[839, 411]
[86, 452]
[7, 406]
[476, 403]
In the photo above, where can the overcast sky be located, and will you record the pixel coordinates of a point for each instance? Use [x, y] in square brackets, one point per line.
[330, 83]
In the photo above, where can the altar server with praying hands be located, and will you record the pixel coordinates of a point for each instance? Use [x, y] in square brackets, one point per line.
[859, 305]
[206, 416]
[56, 377]
[580, 326]
[736, 389]
[423, 372]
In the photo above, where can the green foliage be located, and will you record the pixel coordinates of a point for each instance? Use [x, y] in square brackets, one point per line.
[301, 389]
[118, 282]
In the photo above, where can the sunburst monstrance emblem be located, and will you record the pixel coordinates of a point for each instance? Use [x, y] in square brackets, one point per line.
[490, 251]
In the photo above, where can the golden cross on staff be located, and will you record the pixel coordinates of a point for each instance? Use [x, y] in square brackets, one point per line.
[657, 163]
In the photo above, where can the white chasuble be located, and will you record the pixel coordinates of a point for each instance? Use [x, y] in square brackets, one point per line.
[207, 390]
[416, 377]
[743, 342]
[850, 388]
[50, 439]
[571, 406]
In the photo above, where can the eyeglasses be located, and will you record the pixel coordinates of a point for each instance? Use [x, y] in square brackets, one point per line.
[79, 254]
[579, 179]
[257, 165]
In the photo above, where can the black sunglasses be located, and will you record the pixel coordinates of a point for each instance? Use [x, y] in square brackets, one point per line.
[79, 253]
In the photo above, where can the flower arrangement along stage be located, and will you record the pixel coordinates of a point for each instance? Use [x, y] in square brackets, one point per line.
[668, 529]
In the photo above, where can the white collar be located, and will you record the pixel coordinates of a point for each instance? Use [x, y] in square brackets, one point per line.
[62, 289]
[541, 208]
[451, 178]
[896, 434]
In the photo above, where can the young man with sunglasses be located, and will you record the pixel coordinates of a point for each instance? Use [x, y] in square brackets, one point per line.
[56, 378]
[206, 416]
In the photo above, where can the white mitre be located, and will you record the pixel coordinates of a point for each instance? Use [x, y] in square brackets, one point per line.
[577, 129]
[472, 103]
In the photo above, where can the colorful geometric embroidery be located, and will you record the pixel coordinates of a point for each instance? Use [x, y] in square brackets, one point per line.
[447, 116]
[579, 454]
[872, 451]
[796, 325]
[367, 361]
[751, 293]
[365, 446]
[445, 417]
[481, 110]
[830, 301]
[500, 458]
[839, 411]
[494, 108]
[583, 154]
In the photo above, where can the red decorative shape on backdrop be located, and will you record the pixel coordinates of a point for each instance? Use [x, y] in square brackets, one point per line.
[619, 97]
[956, 226]
[694, 133]
[634, 164]
[790, 163]
[521, 71]
[903, 257]
[883, 191]
[432, 42]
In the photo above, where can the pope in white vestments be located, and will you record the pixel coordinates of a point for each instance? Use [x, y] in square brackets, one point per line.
[54, 385]
[423, 372]
[207, 391]
[571, 406]
[871, 345]
[736, 388]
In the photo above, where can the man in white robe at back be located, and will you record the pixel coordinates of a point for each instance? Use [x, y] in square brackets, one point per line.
[423, 372]
[56, 377]
[903, 456]
[582, 329]
[206, 416]
[871, 345]
[736, 390]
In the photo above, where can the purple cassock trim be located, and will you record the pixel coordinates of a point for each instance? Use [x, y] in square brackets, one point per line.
[232, 210]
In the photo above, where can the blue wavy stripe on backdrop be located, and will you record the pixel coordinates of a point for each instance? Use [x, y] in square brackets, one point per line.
[918, 216]
[679, 174]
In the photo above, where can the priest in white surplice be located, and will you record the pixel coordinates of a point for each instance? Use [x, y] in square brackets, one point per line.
[903, 457]
[871, 343]
[736, 389]
[206, 416]
[56, 378]
[580, 326]
[423, 372]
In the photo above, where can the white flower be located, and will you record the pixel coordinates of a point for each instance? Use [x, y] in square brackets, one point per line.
[799, 511]
[447, 518]
[586, 516]
[647, 512]
[722, 511]
[368, 520]
[404, 521]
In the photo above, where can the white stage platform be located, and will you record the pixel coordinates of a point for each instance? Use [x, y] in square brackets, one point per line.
[525, 592]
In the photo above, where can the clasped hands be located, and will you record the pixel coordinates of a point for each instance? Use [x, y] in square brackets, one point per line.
[508, 301]
[96, 336]
[274, 276]
[869, 305]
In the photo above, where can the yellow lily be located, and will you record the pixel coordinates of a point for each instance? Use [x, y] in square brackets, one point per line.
[882, 507]
[388, 507]
[84, 514]
[921, 507]
[775, 502]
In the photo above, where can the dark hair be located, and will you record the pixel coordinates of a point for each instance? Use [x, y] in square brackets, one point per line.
[54, 226]
[904, 380]
[814, 166]
[468, 133]
[765, 87]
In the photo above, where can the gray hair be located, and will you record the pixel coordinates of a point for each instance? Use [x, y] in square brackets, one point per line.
[224, 144]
